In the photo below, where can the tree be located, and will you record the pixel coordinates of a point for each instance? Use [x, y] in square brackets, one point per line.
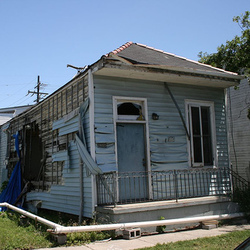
[234, 55]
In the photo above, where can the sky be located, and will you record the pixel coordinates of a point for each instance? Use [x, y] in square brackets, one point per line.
[40, 37]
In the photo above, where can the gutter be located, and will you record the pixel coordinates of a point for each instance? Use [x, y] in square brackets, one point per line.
[58, 229]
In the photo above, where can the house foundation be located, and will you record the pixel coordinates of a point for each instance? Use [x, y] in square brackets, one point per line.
[150, 211]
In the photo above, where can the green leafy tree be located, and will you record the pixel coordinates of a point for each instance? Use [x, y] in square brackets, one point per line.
[234, 55]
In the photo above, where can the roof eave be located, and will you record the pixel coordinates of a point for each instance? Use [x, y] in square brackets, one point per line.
[165, 74]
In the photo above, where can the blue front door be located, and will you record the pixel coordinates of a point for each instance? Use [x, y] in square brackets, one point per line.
[131, 162]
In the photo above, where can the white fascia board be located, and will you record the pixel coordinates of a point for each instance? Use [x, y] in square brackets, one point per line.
[140, 73]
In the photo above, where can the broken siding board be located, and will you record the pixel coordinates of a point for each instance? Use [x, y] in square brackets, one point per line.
[61, 122]
[173, 157]
[103, 128]
[105, 148]
[102, 159]
[69, 129]
[104, 138]
[108, 167]
[86, 157]
[60, 156]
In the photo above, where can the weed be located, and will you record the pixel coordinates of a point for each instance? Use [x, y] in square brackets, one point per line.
[161, 229]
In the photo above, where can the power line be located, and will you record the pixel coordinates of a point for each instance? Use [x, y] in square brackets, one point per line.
[17, 91]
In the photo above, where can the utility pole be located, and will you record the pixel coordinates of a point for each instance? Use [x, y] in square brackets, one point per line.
[38, 93]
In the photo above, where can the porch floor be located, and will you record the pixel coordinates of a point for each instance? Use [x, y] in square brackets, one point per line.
[148, 206]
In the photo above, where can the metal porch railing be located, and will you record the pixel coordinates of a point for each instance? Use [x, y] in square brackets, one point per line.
[122, 188]
[239, 182]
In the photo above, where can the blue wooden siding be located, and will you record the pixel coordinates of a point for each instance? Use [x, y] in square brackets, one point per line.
[65, 197]
[168, 141]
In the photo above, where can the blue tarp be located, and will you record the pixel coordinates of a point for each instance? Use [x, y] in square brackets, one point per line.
[13, 189]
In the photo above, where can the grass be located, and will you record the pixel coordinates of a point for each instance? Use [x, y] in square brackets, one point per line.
[34, 235]
[13, 235]
[226, 241]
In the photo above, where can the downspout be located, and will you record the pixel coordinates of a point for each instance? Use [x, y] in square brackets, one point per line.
[58, 229]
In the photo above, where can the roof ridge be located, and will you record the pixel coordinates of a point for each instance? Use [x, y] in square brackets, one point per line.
[184, 58]
[121, 48]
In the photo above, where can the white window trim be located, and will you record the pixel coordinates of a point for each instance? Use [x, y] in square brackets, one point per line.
[209, 104]
[129, 118]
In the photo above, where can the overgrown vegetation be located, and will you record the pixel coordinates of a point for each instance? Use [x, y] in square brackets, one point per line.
[225, 241]
[30, 235]
[234, 55]
[242, 197]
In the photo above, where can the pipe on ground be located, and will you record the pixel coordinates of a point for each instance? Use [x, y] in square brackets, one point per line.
[129, 225]
[30, 215]
[58, 229]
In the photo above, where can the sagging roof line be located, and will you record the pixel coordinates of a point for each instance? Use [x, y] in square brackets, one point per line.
[128, 44]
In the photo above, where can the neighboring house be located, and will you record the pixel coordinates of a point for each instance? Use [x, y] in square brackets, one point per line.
[138, 125]
[239, 128]
[5, 115]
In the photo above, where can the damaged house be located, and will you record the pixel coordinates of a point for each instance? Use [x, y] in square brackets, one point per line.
[139, 134]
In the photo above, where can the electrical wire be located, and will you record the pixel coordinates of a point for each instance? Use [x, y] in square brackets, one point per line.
[16, 91]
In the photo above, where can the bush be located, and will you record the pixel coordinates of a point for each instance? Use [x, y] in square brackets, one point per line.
[242, 197]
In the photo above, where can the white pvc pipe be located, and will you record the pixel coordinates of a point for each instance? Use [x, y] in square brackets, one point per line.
[58, 229]
[30, 215]
[122, 226]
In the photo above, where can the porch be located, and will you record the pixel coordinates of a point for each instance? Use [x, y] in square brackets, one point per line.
[169, 194]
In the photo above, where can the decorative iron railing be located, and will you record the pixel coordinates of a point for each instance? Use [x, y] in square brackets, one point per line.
[122, 188]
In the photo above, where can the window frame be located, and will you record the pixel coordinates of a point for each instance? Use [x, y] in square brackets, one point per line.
[199, 104]
[130, 118]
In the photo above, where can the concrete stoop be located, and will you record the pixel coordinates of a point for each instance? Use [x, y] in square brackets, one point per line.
[150, 211]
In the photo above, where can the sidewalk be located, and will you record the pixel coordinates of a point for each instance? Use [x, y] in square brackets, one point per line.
[152, 240]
